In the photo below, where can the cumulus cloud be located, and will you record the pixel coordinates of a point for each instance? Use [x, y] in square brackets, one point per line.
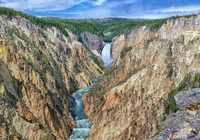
[103, 8]
[45, 5]
[153, 16]
[99, 12]
[99, 2]
[40, 5]
[95, 13]
[179, 9]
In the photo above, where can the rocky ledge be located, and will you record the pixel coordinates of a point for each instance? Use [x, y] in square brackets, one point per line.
[92, 41]
[185, 123]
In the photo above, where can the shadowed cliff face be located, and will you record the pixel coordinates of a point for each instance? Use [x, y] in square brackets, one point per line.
[39, 69]
[128, 103]
[92, 41]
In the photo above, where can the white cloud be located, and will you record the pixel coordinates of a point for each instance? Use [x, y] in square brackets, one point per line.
[95, 13]
[178, 9]
[128, 1]
[40, 5]
[99, 2]
[99, 8]
[152, 16]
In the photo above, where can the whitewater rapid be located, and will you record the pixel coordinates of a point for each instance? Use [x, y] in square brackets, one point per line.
[83, 124]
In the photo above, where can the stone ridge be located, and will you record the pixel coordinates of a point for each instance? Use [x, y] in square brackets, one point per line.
[184, 124]
[39, 70]
[128, 103]
[188, 100]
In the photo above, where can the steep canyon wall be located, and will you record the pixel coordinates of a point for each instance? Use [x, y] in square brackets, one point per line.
[39, 70]
[128, 103]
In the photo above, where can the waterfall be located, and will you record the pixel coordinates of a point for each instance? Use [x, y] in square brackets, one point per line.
[83, 124]
[106, 55]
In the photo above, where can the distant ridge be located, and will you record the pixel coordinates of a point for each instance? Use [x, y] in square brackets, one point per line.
[106, 28]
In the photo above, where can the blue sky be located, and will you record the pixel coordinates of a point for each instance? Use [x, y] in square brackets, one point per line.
[104, 8]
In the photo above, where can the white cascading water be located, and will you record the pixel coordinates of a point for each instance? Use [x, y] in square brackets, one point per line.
[83, 124]
[106, 55]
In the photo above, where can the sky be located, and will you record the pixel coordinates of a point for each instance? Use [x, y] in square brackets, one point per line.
[79, 9]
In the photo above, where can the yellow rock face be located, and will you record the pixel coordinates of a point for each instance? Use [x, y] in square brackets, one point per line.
[38, 73]
[128, 103]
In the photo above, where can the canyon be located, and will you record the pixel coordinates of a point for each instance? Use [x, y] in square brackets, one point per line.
[41, 70]
[131, 100]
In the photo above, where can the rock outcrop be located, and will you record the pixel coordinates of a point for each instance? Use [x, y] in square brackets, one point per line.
[39, 70]
[128, 103]
[136, 37]
[92, 41]
[184, 124]
[118, 45]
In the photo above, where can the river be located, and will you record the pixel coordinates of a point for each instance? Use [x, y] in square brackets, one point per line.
[83, 124]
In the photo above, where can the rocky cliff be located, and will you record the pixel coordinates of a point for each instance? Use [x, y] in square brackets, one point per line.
[134, 38]
[39, 70]
[92, 41]
[185, 123]
[130, 101]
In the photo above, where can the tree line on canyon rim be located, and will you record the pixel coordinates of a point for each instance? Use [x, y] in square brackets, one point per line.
[106, 28]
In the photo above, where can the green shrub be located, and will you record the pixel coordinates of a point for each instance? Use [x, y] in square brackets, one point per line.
[170, 72]
[32, 65]
[187, 83]
[125, 51]
[152, 39]
[157, 24]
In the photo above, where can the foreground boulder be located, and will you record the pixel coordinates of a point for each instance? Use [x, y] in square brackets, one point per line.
[185, 123]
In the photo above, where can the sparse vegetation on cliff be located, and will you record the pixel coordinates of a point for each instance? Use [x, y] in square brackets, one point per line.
[187, 83]
[151, 39]
[125, 51]
[155, 25]
[45, 63]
